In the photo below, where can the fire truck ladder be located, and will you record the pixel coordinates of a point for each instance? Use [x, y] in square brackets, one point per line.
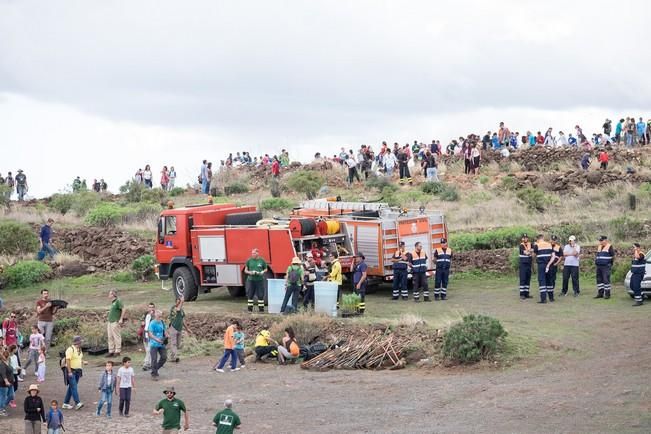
[353, 206]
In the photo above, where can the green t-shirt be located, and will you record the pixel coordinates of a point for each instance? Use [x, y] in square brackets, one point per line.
[115, 311]
[256, 265]
[298, 271]
[226, 421]
[171, 412]
[176, 318]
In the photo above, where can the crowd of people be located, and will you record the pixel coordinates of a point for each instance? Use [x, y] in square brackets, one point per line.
[146, 178]
[18, 182]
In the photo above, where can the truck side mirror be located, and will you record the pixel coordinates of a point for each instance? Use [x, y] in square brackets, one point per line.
[161, 236]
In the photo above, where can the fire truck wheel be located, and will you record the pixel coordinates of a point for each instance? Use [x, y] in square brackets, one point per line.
[236, 291]
[184, 285]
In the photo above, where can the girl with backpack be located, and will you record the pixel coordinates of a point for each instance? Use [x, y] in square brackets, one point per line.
[293, 283]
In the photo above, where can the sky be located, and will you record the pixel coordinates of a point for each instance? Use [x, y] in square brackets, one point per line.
[98, 89]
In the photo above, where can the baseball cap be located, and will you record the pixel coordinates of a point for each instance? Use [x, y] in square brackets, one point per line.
[76, 340]
[572, 238]
[603, 238]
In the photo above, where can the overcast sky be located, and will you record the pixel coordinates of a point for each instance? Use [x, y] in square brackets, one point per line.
[100, 88]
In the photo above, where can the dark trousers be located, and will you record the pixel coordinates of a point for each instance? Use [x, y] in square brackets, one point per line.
[228, 352]
[603, 280]
[525, 280]
[404, 172]
[158, 358]
[361, 306]
[636, 286]
[420, 282]
[292, 291]
[308, 298]
[255, 289]
[125, 400]
[573, 272]
[542, 282]
[400, 284]
[441, 283]
[260, 352]
[551, 282]
[352, 174]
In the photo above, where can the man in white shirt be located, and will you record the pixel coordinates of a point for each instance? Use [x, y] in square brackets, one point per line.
[149, 316]
[571, 253]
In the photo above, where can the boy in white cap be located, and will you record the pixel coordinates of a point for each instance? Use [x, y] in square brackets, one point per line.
[571, 254]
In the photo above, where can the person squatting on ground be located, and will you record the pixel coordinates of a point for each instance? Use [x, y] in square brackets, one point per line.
[125, 385]
[265, 346]
[171, 407]
[419, 272]
[293, 282]
[226, 420]
[400, 267]
[543, 251]
[289, 350]
[255, 269]
[34, 411]
[360, 280]
[443, 257]
[106, 387]
[525, 261]
[638, 268]
[604, 261]
[229, 348]
[114, 324]
[552, 267]
[175, 330]
[571, 254]
[157, 344]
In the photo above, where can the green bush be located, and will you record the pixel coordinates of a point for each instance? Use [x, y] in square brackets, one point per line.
[277, 203]
[4, 199]
[349, 302]
[534, 198]
[17, 238]
[449, 194]
[564, 230]
[140, 211]
[153, 195]
[477, 337]
[64, 325]
[432, 187]
[489, 239]
[26, 273]
[84, 201]
[177, 191]
[62, 202]
[235, 188]
[509, 183]
[134, 192]
[378, 182]
[105, 214]
[305, 181]
[514, 259]
[619, 271]
[626, 228]
[483, 179]
[123, 277]
[143, 266]
[444, 191]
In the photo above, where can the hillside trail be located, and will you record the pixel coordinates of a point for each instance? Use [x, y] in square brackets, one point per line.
[604, 387]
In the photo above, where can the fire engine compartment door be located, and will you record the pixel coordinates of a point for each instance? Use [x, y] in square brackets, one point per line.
[212, 249]
[368, 243]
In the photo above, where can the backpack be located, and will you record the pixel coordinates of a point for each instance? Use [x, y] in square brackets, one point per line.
[293, 277]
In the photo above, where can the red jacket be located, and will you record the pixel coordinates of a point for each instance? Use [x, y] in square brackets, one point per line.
[275, 168]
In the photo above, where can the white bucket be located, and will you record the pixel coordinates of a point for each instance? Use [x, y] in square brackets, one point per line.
[325, 297]
[275, 294]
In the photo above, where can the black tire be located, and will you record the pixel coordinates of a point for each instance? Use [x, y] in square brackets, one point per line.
[236, 291]
[184, 285]
[243, 218]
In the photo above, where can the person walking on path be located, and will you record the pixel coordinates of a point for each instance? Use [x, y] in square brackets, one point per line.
[21, 185]
[114, 324]
[36, 339]
[229, 348]
[293, 281]
[10, 331]
[419, 272]
[45, 312]
[571, 254]
[254, 269]
[125, 385]
[54, 418]
[175, 329]
[543, 251]
[74, 371]
[525, 267]
[149, 316]
[400, 267]
[638, 269]
[34, 411]
[604, 260]
[443, 256]
[106, 387]
[171, 408]
[44, 238]
[157, 344]
[226, 420]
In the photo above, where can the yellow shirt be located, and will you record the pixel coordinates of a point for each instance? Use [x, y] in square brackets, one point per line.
[76, 357]
[335, 273]
[261, 341]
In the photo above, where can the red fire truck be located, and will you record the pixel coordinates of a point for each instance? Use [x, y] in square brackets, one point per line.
[206, 246]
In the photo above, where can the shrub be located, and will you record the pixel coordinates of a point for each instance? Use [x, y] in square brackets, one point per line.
[134, 192]
[477, 337]
[619, 271]
[84, 201]
[490, 239]
[534, 198]
[645, 189]
[444, 191]
[377, 182]
[105, 214]
[64, 325]
[514, 259]
[62, 203]
[153, 195]
[411, 198]
[276, 203]
[26, 273]
[432, 187]
[483, 179]
[625, 228]
[4, 199]
[564, 230]
[17, 238]
[305, 181]
[124, 277]
[235, 188]
[349, 302]
[177, 191]
[143, 267]
[509, 183]
[449, 194]
[307, 327]
[141, 211]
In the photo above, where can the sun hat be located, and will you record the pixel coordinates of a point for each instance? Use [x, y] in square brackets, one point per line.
[32, 387]
[76, 340]
[296, 260]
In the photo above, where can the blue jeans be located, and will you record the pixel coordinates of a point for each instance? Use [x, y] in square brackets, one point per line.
[204, 185]
[73, 381]
[158, 357]
[228, 353]
[107, 397]
[21, 190]
[54, 431]
[3, 397]
[48, 250]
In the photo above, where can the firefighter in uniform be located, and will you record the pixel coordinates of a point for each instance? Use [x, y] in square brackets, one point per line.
[604, 261]
[419, 272]
[403, 165]
[543, 251]
[638, 268]
[360, 281]
[400, 269]
[552, 267]
[525, 267]
[443, 257]
[255, 269]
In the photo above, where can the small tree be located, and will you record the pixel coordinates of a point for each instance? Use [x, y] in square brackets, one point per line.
[305, 181]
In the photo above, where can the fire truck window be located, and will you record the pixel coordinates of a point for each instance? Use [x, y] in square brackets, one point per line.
[170, 225]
